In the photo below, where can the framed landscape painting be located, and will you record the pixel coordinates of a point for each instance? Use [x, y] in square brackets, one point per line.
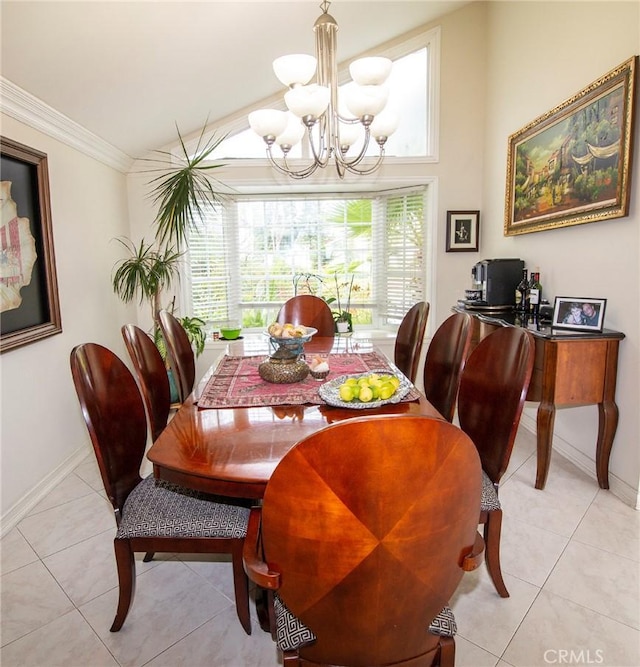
[29, 305]
[573, 164]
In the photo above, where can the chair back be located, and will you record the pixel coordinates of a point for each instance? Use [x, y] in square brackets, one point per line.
[179, 353]
[444, 362]
[151, 372]
[410, 338]
[308, 310]
[492, 393]
[368, 521]
[114, 414]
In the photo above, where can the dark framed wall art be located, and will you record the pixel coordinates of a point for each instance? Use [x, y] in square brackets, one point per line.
[29, 306]
[463, 231]
[572, 165]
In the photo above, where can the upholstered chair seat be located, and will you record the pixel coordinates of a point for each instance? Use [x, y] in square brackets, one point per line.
[156, 508]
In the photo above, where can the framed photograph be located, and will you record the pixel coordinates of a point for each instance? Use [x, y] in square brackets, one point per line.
[578, 313]
[463, 231]
[573, 164]
[29, 306]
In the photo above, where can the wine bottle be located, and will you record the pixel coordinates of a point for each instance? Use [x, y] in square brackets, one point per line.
[522, 291]
[535, 293]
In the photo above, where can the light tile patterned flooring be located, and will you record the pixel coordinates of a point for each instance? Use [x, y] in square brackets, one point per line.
[570, 555]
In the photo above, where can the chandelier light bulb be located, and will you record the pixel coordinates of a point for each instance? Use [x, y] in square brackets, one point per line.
[268, 123]
[384, 125]
[349, 133]
[372, 71]
[292, 134]
[365, 100]
[295, 69]
[311, 100]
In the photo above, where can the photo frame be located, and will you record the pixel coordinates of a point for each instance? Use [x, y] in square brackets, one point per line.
[29, 306]
[572, 165]
[578, 313]
[463, 231]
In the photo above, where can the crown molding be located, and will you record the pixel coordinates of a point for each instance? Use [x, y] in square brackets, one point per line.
[21, 105]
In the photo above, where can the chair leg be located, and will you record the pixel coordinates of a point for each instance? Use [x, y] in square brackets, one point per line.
[148, 556]
[126, 579]
[291, 659]
[447, 653]
[492, 529]
[241, 590]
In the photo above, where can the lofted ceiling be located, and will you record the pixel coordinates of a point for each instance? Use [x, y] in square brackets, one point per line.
[129, 71]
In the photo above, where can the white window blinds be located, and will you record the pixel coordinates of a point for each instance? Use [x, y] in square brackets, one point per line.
[252, 254]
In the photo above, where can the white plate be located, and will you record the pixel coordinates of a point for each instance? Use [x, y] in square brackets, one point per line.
[330, 392]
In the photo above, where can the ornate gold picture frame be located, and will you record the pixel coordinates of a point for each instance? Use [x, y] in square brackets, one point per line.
[572, 165]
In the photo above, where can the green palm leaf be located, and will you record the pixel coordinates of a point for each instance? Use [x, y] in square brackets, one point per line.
[183, 191]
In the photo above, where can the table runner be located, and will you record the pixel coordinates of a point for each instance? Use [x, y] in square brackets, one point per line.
[236, 382]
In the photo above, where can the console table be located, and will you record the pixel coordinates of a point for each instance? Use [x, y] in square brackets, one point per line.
[570, 369]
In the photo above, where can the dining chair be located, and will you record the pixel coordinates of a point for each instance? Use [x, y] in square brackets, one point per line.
[151, 372]
[309, 310]
[151, 515]
[410, 338]
[179, 353]
[360, 547]
[491, 398]
[444, 362]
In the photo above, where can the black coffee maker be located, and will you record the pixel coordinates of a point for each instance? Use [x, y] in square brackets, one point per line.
[494, 281]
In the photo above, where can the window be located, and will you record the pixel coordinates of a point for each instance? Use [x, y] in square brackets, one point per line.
[254, 253]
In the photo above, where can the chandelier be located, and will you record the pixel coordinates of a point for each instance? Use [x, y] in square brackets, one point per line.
[314, 108]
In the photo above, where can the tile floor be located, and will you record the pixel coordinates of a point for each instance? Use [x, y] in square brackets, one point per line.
[570, 559]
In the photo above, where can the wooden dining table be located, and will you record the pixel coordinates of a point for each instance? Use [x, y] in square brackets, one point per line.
[233, 451]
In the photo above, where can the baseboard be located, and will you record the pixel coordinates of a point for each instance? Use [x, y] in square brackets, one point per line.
[17, 512]
[626, 493]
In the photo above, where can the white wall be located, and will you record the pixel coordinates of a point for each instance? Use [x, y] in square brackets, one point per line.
[42, 428]
[540, 54]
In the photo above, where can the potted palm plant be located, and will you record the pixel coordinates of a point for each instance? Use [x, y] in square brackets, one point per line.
[182, 188]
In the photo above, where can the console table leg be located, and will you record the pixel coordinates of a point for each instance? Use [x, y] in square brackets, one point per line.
[544, 428]
[607, 425]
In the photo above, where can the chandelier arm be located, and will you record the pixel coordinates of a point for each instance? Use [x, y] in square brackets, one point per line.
[357, 158]
[351, 168]
[287, 171]
[323, 154]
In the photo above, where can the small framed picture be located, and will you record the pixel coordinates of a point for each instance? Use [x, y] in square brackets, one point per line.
[463, 231]
[578, 313]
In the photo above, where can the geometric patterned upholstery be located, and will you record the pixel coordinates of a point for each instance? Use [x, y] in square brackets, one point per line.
[292, 633]
[159, 508]
[489, 500]
[444, 624]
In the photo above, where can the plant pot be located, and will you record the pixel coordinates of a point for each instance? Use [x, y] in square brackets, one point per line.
[342, 327]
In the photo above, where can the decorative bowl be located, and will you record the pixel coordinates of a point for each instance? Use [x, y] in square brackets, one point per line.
[230, 333]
